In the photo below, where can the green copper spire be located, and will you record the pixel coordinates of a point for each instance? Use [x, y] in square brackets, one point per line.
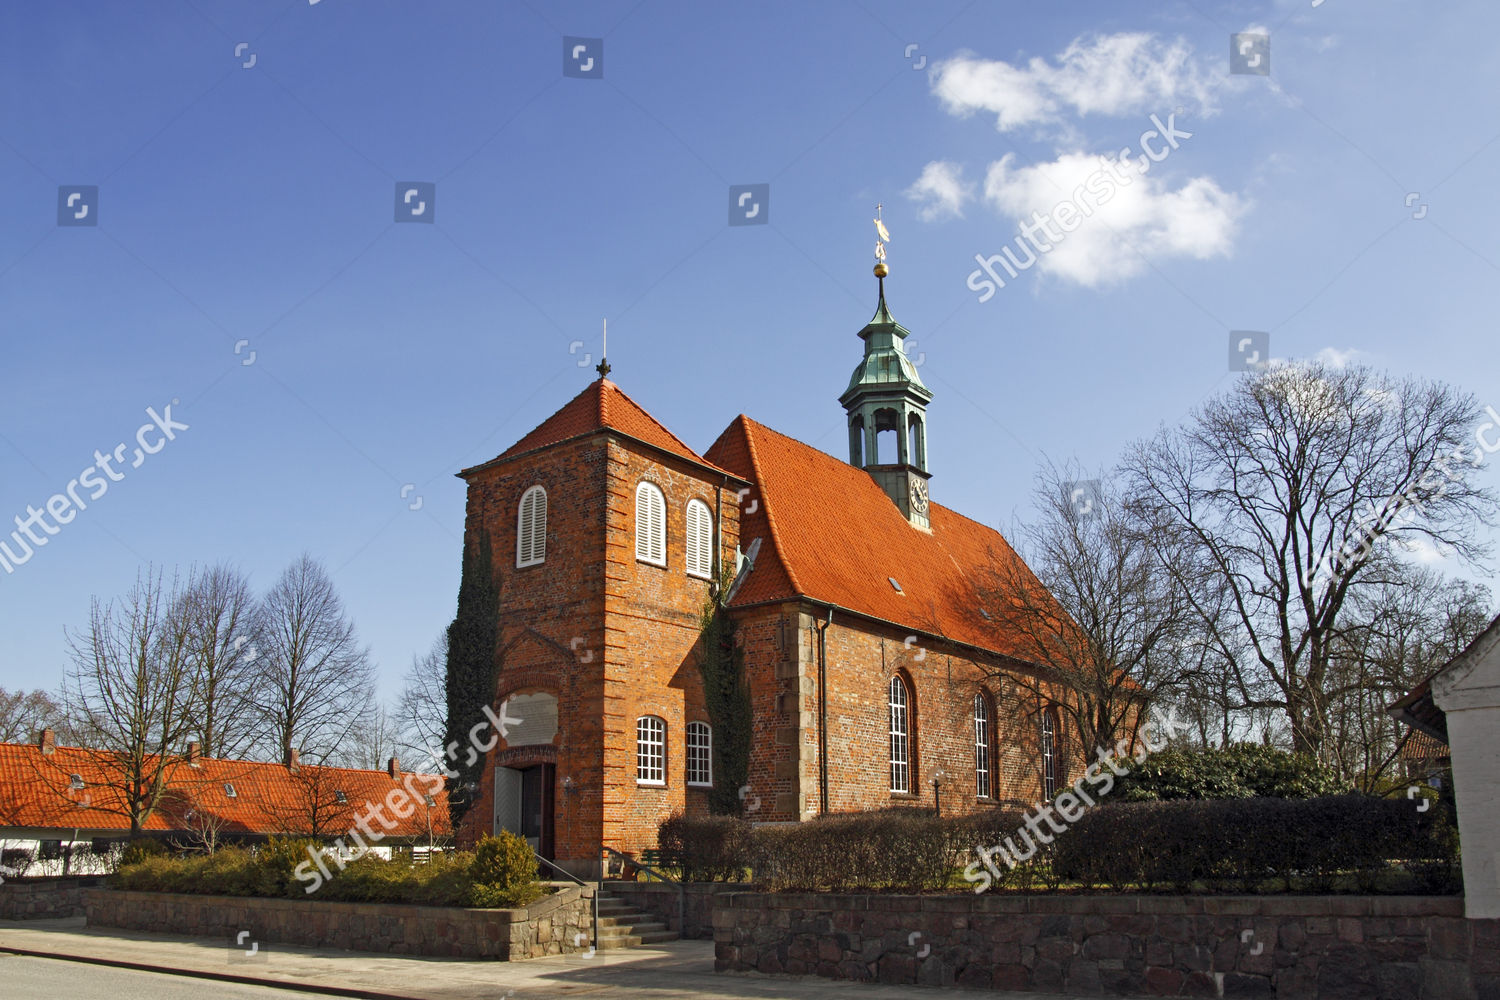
[885, 363]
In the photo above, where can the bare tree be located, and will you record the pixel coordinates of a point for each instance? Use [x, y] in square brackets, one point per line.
[1095, 609]
[1398, 632]
[371, 741]
[422, 711]
[1288, 488]
[134, 684]
[222, 639]
[315, 680]
[23, 714]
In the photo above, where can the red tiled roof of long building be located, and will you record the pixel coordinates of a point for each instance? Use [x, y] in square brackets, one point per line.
[831, 534]
[36, 792]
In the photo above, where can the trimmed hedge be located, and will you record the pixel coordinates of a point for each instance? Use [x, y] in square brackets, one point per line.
[1239, 845]
[901, 850]
[1248, 845]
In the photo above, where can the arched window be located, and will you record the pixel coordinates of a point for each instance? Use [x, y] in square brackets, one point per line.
[699, 754]
[1049, 754]
[650, 525]
[981, 747]
[531, 528]
[900, 737]
[650, 750]
[700, 544]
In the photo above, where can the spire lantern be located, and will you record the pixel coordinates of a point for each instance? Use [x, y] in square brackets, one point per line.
[886, 393]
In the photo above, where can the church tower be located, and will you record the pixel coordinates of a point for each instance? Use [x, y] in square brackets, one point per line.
[886, 394]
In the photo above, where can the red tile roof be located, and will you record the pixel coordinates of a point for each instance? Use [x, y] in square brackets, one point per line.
[830, 533]
[601, 406]
[36, 792]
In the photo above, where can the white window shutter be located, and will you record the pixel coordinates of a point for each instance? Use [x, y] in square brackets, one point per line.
[531, 528]
[698, 537]
[650, 525]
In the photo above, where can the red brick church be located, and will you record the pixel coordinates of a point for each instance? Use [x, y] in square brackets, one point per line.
[874, 667]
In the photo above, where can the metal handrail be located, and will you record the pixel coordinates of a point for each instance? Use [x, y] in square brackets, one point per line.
[606, 850]
[582, 884]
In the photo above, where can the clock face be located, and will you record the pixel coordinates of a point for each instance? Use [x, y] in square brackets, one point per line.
[919, 496]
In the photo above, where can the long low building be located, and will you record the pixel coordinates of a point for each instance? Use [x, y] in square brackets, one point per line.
[64, 809]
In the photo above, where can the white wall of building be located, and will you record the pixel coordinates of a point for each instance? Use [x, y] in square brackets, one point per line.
[1468, 692]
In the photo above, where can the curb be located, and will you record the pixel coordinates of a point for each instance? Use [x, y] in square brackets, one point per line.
[222, 977]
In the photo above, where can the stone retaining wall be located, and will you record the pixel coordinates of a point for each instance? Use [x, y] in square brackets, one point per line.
[660, 900]
[559, 924]
[1291, 947]
[45, 898]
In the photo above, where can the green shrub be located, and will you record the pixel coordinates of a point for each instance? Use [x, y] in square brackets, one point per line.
[503, 872]
[276, 862]
[140, 849]
[1238, 771]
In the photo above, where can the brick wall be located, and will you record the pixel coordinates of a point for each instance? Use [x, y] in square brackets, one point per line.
[550, 623]
[559, 924]
[653, 617]
[1290, 947]
[862, 657]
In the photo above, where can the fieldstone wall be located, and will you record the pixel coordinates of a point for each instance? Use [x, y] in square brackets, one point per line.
[45, 898]
[660, 900]
[1291, 947]
[559, 924]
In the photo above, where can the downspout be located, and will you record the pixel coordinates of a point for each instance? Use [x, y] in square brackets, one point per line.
[823, 711]
[718, 536]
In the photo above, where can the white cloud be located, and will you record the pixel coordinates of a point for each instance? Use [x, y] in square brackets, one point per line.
[1144, 219]
[1335, 358]
[1121, 74]
[941, 191]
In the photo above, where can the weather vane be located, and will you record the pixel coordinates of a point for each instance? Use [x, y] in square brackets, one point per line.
[882, 237]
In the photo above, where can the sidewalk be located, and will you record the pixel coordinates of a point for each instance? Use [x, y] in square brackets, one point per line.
[676, 970]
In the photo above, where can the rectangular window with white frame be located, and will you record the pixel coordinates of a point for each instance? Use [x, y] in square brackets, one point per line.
[699, 754]
[650, 751]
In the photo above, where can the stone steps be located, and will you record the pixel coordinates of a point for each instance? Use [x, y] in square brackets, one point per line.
[623, 926]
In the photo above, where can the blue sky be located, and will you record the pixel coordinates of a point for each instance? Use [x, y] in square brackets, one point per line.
[1344, 204]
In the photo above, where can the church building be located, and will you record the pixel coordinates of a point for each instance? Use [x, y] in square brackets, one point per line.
[877, 675]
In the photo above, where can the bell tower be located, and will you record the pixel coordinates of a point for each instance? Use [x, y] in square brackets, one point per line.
[886, 394]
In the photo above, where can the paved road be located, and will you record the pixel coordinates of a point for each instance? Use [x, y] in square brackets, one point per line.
[27, 978]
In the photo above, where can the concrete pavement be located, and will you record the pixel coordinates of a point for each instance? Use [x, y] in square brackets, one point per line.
[675, 970]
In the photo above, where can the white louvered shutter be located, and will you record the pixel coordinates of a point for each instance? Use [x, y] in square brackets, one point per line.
[531, 528]
[699, 539]
[650, 525]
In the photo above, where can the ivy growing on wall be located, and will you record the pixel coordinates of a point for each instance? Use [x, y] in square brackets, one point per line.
[726, 693]
[470, 684]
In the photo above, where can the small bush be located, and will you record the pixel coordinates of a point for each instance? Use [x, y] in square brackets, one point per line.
[503, 872]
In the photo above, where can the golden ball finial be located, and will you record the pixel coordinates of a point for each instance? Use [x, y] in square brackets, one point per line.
[881, 270]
